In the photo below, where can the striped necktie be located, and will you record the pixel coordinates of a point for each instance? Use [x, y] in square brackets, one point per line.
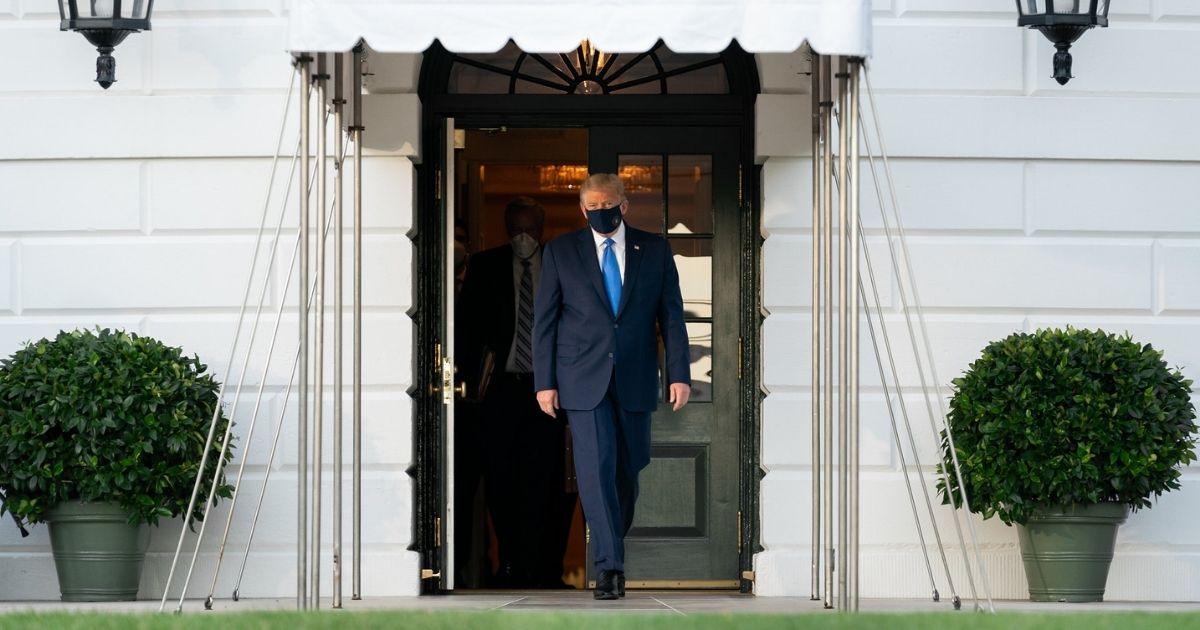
[524, 347]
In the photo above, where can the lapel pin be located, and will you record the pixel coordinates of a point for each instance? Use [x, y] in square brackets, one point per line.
[637, 248]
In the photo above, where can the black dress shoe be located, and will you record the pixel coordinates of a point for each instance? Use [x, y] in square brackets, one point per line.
[620, 583]
[606, 586]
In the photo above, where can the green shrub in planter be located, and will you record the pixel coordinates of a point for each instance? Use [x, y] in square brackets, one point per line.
[1064, 417]
[105, 417]
[1052, 422]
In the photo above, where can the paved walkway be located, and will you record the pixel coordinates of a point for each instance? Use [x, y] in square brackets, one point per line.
[665, 602]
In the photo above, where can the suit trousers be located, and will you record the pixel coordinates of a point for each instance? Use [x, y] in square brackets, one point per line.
[611, 447]
[524, 483]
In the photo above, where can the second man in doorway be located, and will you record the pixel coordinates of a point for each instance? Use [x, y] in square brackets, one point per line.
[524, 481]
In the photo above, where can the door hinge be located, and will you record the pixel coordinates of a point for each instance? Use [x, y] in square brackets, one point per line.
[447, 380]
[430, 574]
[437, 532]
[748, 576]
[740, 195]
[444, 381]
[741, 356]
[436, 383]
[739, 532]
[437, 191]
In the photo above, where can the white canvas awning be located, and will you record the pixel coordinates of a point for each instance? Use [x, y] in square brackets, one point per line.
[832, 27]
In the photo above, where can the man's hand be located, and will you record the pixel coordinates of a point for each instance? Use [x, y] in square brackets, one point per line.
[548, 401]
[679, 395]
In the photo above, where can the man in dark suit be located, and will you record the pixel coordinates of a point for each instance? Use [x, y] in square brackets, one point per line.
[523, 451]
[603, 291]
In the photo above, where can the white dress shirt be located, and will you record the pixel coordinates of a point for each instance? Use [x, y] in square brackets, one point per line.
[618, 249]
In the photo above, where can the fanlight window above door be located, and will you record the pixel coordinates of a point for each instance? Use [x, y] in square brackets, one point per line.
[587, 70]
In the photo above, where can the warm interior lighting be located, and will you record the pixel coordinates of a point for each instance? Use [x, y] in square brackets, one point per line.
[568, 177]
[593, 59]
[561, 177]
[589, 61]
[640, 177]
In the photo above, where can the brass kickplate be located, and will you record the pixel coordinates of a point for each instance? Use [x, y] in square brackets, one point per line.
[678, 584]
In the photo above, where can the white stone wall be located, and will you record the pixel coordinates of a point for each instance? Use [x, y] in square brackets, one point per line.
[138, 207]
[1027, 205]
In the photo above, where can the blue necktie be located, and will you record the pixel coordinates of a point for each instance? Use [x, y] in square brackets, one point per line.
[612, 275]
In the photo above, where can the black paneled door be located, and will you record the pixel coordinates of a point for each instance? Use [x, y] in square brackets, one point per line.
[682, 183]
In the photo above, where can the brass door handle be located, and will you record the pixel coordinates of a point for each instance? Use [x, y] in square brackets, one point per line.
[461, 389]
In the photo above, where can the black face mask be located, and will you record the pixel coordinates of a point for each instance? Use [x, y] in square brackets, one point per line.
[605, 220]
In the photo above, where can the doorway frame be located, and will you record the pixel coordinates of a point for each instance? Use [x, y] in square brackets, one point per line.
[544, 111]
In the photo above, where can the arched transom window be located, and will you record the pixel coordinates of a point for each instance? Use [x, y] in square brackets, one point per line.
[588, 70]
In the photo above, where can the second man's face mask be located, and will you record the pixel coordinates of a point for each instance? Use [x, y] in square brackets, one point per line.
[605, 220]
[524, 245]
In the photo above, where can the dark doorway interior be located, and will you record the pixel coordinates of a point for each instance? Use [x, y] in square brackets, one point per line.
[518, 517]
[518, 523]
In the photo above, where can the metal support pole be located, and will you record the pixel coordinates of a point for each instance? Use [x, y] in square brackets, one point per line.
[339, 102]
[937, 392]
[904, 415]
[853, 187]
[254, 259]
[302, 428]
[322, 78]
[887, 394]
[356, 373]
[287, 283]
[843, 345]
[826, 72]
[816, 326]
[262, 298]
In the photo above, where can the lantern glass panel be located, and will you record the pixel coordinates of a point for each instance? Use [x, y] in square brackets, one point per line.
[1102, 8]
[1072, 6]
[97, 9]
[104, 9]
[136, 9]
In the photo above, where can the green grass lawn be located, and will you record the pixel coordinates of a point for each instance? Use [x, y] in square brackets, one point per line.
[601, 621]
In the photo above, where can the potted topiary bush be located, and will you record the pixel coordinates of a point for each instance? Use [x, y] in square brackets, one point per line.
[101, 434]
[1062, 432]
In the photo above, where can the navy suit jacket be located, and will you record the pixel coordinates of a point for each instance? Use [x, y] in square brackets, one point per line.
[578, 342]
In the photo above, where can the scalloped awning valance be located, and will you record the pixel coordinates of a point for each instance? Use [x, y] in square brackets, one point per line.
[832, 27]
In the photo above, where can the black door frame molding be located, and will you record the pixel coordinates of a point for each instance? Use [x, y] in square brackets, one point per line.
[570, 110]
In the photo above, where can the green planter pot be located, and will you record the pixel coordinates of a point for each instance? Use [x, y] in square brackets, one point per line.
[97, 553]
[1067, 551]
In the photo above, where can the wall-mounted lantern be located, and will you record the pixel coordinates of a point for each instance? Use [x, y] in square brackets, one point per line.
[1062, 22]
[105, 23]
